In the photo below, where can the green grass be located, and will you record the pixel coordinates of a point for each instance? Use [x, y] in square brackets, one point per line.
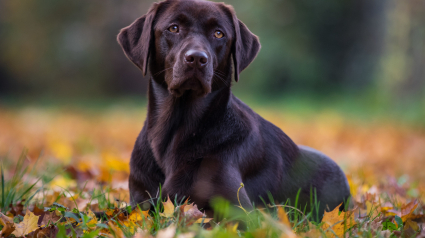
[229, 220]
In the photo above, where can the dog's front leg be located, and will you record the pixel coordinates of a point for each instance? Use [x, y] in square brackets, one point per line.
[222, 180]
[145, 174]
[179, 182]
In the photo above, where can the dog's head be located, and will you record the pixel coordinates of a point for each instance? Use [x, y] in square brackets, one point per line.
[189, 45]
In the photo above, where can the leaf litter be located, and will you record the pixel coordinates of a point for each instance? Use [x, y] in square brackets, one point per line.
[382, 162]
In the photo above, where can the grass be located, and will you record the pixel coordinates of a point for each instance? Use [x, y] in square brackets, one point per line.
[85, 161]
[229, 220]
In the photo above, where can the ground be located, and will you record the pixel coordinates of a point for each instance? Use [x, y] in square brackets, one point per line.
[75, 161]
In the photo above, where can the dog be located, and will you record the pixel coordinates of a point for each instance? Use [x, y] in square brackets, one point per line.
[199, 140]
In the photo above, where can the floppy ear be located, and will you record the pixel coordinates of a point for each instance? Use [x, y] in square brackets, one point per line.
[136, 39]
[245, 46]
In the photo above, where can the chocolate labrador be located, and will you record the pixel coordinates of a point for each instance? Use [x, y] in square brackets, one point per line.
[199, 140]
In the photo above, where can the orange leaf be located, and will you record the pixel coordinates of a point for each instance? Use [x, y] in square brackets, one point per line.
[337, 221]
[283, 217]
[407, 210]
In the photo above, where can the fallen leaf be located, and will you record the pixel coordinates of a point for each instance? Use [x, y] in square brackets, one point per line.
[168, 232]
[17, 209]
[28, 225]
[411, 224]
[8, 225]
[190, 213]
[50, 218]
[337, 221]
[283, 217]
[137, 219]
[93, 220]
[203, 220]
[386, 207]
[372, 208]
[116, 231]
[286, 231]
[47, 232]
[168, 208]
[407, 210]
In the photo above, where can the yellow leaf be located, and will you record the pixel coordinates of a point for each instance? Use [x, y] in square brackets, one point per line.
[115, 163]
[168, 208]
[61, 150]
[205, 220]
[28, 225]
[411, 224]
[8, 225]
[62, 182]
[337, 221]
[232, 228]
[372, 208]
[137, 219]
[283, 217]
[116, 232]
[93, 220]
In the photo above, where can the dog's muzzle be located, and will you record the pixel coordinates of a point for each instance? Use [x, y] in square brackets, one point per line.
[194, 79]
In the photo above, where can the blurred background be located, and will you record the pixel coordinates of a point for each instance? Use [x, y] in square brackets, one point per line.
[343, 76]
[358, 50]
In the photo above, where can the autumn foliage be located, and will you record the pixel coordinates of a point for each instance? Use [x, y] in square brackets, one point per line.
[75, 165]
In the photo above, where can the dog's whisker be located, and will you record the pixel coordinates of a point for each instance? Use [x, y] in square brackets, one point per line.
[221, 73]
[221, 79]
[162, 71]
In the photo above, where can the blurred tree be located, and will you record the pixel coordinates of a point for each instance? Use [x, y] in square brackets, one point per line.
[63, 48]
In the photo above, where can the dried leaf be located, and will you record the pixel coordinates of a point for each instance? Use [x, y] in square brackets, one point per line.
[190, 213]
[411, 224]
[8, 225]
[28, 225]
[407, 210]
[47, 232]
[17, 209]
[50, 218]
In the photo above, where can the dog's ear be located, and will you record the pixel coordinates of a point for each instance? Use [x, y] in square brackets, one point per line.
[245, 46]
[136, 39]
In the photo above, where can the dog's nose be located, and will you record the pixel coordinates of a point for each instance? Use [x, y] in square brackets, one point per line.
[196, 58]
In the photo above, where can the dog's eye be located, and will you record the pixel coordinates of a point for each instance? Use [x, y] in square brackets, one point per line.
[173, 28]
[218, 34]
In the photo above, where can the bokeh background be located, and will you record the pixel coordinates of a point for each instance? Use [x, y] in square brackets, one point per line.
[370, 51]
[346, 77]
